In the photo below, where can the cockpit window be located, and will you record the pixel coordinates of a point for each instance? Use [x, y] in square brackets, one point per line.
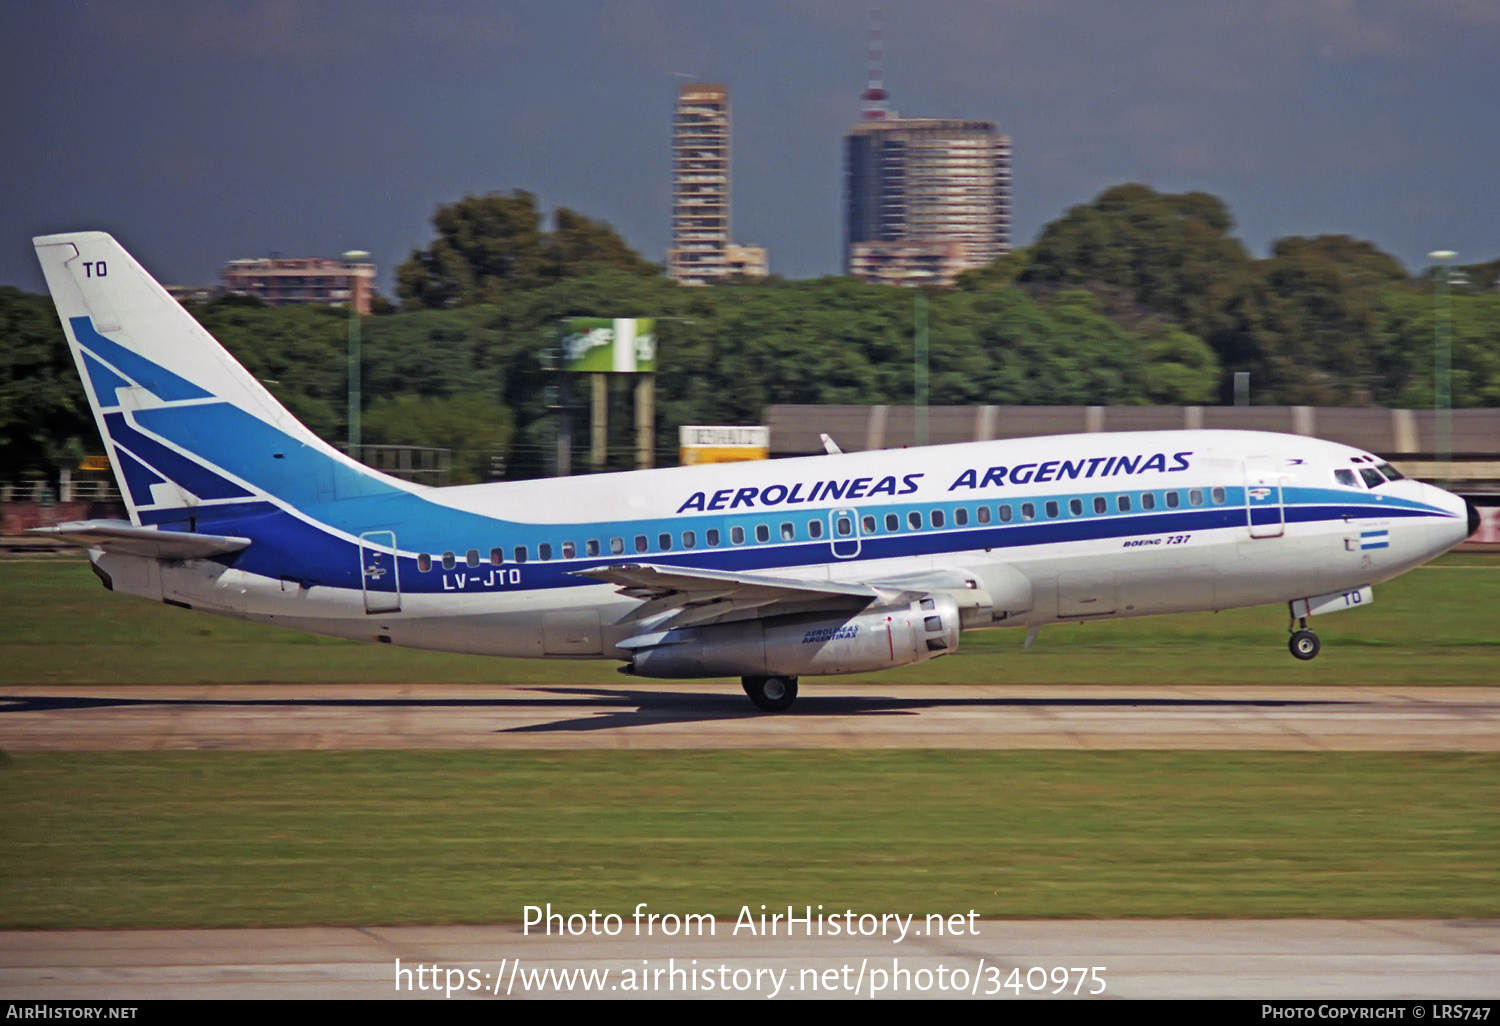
[1389, 471]
[1372, 477]
[1346, 478]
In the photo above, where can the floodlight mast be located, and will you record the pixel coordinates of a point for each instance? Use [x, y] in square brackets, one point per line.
[1442, 362]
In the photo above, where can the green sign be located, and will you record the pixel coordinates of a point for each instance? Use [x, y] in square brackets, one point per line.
[600, 345]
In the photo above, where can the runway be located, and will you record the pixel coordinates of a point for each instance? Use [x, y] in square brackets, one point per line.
[1256, 959]
[657, 715]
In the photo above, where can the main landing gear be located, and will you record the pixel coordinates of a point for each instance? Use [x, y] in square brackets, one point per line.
[1303, 643]
[771, 694]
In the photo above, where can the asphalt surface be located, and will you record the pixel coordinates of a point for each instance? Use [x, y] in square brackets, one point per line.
[1256, 959]
[718, 716]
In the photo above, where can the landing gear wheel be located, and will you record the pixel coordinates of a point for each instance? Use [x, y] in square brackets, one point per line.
[1304, 645]
[771, 694]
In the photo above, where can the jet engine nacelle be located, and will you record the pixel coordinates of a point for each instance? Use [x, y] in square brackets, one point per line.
[874, 639]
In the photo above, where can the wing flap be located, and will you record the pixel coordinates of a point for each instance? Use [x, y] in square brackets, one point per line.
[122, 536]
[705, 595]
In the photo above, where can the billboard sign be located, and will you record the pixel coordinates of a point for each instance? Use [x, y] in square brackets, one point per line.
[717, 443]
[603, 345]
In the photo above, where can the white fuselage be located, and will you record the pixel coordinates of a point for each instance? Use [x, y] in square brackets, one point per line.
[1045, 551]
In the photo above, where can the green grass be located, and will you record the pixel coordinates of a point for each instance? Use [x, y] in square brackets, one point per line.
[220, 839]
[1435, 625]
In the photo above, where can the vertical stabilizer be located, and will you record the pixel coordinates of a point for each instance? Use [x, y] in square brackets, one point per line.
[186, 426]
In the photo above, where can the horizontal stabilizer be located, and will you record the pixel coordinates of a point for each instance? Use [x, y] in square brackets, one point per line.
[121, 536]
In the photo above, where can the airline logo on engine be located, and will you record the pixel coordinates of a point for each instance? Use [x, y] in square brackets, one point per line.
[830, 634]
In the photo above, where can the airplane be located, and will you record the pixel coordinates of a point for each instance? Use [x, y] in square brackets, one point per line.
[768, 571]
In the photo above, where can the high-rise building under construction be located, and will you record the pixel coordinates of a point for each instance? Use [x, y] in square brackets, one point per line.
[701, 251]
[924, 198]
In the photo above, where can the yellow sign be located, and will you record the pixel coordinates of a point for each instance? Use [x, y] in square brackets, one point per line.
[94, 463]
[704, 443]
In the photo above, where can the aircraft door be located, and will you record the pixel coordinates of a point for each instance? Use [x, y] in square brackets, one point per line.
[1263, 498]
[378, 572]
[843, 532]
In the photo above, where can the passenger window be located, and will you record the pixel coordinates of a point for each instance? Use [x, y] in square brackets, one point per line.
[788, 532]
[1218, 496]
[641, 544]
[544, 552]
[664, 542]
[1148, 500]
[914, 520]
[689, 540]
[472, 557]
[1372, 477]
[960, 517]
[448, 561]
[1004, 514]
[1172, 500]
[1075, 507]
[617, 546]
[497, 556]
[1346, 478]
[815, 528]
[1100, 505]
[843, 527]
[591, 546]
[569, 550]
[737, 534]
[1051, 509]
[1123, 502]
[983, 514]
[762, 533]
[520, 553]
[869, 524]
[1195, 497]
[424, 562]
[892, 522]
[1028, 511]
[938, 519]
[712, 537]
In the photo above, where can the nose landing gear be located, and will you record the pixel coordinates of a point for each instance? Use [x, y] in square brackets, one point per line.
[1303, 643]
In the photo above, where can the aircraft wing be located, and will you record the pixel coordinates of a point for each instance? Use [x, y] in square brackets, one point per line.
[704, 595]
[122, 536]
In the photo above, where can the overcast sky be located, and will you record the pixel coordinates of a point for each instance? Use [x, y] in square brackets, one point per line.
[202, 131]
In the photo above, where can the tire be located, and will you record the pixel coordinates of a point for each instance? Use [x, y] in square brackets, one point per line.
[1304, 645]
[771, 694]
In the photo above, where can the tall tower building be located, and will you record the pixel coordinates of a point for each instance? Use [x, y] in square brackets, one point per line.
[700, 184]
[924, 198]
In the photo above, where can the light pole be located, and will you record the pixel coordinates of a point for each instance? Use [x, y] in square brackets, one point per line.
[1442, 360]
[351, 258]
[919, 426]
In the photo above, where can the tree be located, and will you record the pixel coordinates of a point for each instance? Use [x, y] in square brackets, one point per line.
[1172, 251]
[1305, 321]
[490, 246]
[44, 416]
[472, 424]
[579, 245]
